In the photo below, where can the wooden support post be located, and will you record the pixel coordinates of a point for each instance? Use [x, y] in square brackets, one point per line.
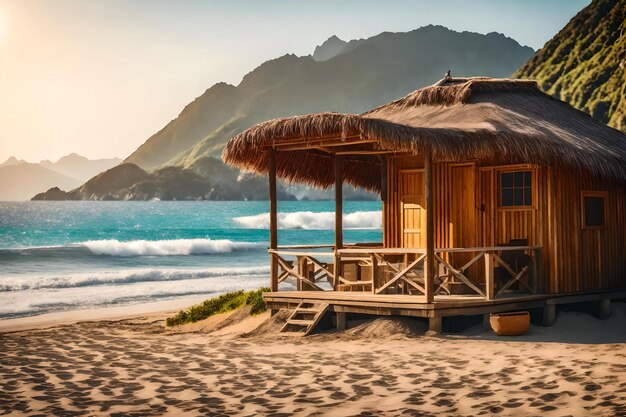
[435, 324]
[338, 216]
[341, 321]
[429, 276]
[549, 315]
[487, 321]
[605, 309]
[271, 166]
[489, 276]
[374, 262]
[301, 270]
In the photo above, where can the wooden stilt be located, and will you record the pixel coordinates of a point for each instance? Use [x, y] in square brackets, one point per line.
[341, 321]
[549, 315]
[605, 309]
[435, 324]
[486, 321]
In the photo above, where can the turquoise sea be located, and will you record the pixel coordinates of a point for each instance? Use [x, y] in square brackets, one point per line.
[58, 256]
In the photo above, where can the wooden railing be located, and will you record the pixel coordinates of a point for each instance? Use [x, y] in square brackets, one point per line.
[489, 272]
[497, 274]
[300, 263]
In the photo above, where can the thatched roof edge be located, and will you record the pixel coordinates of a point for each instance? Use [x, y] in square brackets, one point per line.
[604, 159]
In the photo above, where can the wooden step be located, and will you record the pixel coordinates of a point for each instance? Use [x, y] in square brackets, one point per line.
[300, 322]
[307, 310]
[307, 325]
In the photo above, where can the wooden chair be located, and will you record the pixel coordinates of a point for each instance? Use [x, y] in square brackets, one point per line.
[516, 259]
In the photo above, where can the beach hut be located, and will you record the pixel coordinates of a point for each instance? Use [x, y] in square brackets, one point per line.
[496, 197]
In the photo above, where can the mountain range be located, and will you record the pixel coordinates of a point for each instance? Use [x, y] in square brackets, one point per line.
[20, 180]
[339, 76]
[348, 77]
[127, 181]
[584, 64]
[79, 167]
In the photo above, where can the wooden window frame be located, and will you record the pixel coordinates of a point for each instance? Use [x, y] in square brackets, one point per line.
[513, 169]
[604, 195]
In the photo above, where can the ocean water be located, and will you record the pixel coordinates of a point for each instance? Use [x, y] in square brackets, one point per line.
[57, 256]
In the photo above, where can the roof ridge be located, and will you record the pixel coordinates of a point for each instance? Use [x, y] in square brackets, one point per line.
[450, 91]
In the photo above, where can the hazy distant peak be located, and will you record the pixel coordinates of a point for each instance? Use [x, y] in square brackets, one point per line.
[12, 161]
[23, 180]
[80, 167]
[73, 157]
[331, 47]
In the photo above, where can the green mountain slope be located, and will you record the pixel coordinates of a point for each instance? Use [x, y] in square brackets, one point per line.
[370, 72]
[585, 63]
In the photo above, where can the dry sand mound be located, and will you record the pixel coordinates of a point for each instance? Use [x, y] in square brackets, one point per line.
[270, 326]
[208, 325]
[234, 318]
[387, 327]
[379, 327]
[232, 323]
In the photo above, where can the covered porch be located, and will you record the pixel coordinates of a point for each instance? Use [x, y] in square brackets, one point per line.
[418, 272]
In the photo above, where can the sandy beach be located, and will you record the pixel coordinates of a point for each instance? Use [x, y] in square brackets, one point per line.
[235, 364]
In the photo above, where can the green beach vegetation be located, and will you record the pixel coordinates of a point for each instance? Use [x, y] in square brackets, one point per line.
[221, 304]
[585, 63]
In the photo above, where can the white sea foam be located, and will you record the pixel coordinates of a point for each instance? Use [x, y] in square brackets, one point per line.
[114, 247]
[53, 299]
[93, 278]
[308, 220]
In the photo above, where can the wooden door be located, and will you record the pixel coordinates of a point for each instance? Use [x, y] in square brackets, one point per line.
[463, 208]
[463, 219]
[412, 208]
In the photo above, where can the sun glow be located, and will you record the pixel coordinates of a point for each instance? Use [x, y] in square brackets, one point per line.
[3, 25]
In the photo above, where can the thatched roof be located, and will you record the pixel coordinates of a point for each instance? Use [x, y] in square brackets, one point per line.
[485, 119]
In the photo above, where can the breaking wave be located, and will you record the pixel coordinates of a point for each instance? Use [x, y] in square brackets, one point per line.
[114, 247]
[308, 220]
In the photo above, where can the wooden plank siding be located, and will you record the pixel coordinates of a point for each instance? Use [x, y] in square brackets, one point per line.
[590, 258]
[574, 259]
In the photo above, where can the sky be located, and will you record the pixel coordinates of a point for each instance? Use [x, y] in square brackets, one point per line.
[99, 77]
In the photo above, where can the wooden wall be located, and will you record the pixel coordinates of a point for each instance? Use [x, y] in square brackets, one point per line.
[573, 259]
[586, 259]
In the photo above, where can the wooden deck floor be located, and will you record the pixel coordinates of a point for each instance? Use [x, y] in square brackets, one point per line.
[413, 305]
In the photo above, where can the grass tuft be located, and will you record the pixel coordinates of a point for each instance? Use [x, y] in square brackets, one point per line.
[221, 304]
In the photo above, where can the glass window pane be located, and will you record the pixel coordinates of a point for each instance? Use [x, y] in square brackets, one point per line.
[594, 211]
[528, 196]
[507, 197]
[527, 179]
[519, 196]
[519, 179]
[506, 179]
